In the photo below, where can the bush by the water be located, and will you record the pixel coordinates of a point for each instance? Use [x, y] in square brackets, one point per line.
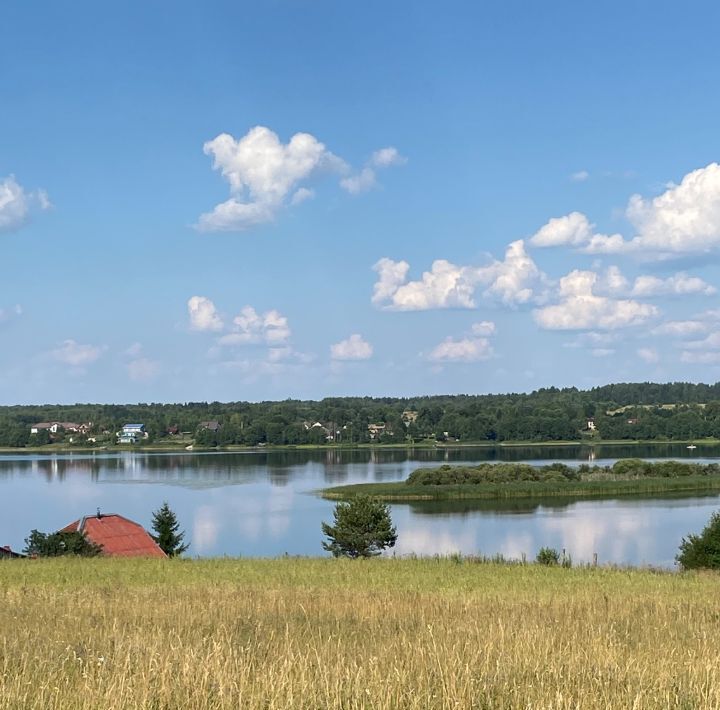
[702, 551]
[625, 469]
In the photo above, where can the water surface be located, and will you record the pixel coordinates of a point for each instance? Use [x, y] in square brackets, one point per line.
[262, 503]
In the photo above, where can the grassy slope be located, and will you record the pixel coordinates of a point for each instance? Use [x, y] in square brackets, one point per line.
[311, 633]
[401, 491]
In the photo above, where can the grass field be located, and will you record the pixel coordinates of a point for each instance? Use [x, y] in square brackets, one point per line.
[383, 633]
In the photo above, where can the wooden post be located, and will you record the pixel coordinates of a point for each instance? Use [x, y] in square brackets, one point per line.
[594, 559]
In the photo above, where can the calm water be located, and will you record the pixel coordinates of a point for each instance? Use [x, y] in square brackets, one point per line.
[262, 504]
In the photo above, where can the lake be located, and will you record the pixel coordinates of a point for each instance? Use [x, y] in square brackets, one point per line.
[262, 503]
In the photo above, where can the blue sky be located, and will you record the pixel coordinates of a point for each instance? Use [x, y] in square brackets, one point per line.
[302, 199]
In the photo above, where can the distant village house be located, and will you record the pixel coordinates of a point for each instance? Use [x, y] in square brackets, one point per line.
[55, 427]
[132, 433]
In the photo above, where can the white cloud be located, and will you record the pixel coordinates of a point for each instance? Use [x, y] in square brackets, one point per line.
[571, 230]
[700, 358]
[203, 314]
[649, 355]
[472, 347]
[361, 182]
[352, 348]
[582, 309]
[302, 194]
[385, 157]
[366, 178]
[391, 275]
[711, 342]
[592, 339]
[16, 203]
[680, 328]
[483, 328]
[580, 176]
[77, 354]
[444, 286]
[515, 280]
[262, 172]
[602, 352]
[463, 350]
[252, 328]
[265, 175]
[678, 284]
[685, 218]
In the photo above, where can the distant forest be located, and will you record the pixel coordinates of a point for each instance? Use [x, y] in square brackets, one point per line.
[678, 410]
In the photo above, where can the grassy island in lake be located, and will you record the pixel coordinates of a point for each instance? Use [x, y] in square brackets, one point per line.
[520, 480]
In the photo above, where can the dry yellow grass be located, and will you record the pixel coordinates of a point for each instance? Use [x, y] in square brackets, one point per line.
[353, 634]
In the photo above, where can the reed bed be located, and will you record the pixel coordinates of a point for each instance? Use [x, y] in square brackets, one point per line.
[383, 633]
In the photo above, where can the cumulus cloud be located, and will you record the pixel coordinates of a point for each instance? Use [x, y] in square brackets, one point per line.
[366, 178]
[573, 229]
[203, 314]
[462, 350]
[16, 203]
[353, 348]
[680, 328]
[514, 280]
[580, 176]
[700, 358]
[685, 219]
[253, 328]
[265, 174]
[679, 284]
[485, 327]
[580, 308]
[77, 354]
[473, 347]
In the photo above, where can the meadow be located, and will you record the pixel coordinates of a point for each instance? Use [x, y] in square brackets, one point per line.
[381, 633]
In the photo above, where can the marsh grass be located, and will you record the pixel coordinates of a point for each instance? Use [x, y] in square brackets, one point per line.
[383, 633]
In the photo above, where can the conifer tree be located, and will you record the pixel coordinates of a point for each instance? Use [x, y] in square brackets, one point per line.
[167, 531]
[363, 528]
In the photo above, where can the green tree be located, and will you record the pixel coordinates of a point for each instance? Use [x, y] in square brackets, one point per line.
[61, 543]
[168, 535]
[363, 528]
[702, 551]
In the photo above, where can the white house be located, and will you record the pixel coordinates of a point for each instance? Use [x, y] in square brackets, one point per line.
[132, 433]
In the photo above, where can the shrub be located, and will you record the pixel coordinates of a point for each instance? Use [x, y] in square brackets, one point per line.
[548, 556]
[702, 551]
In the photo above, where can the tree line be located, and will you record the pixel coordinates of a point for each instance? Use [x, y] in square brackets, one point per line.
[678, 410]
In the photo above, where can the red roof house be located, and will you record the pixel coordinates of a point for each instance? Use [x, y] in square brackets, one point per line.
[7, 553]
[118, 536]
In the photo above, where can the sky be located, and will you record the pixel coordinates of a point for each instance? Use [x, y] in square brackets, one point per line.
[310, 198]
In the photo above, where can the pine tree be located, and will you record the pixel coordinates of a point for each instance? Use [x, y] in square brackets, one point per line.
[167, 529]
[363, 528]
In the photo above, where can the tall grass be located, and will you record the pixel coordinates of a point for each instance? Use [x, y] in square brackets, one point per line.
[383, 633]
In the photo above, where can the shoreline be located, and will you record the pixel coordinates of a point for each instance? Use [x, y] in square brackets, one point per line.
[236, 448]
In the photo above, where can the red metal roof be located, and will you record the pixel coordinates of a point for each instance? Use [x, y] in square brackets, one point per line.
[118, 536]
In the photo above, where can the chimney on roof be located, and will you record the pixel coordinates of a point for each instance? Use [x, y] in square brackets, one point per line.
[99, 514]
